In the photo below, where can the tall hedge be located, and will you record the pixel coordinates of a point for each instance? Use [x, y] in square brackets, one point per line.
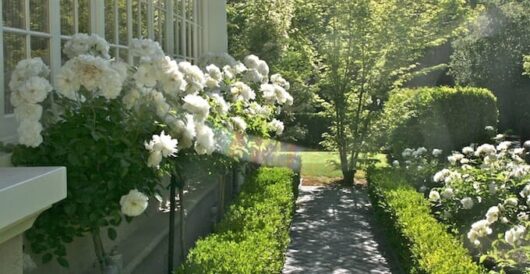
[437, 117]
[253, 235]
[423, 244]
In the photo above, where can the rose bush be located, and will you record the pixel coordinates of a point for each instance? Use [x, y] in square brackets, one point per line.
[118, 128]
[482, 192]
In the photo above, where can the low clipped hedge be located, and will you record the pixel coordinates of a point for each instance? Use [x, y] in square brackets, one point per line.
[423, 243]
[254, 233]
[437, 117]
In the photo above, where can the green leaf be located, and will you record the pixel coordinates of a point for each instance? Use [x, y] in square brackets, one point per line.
[47, 258]
[111, 232]
[69, 209]
[63, 262]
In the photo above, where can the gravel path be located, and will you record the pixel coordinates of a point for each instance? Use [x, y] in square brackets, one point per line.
[332, 233]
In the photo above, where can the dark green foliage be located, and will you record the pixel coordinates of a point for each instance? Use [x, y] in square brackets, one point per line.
[253, 235]
[491, 56]
[316, 125]
[438, 117]
[424, 245]
[104, 159]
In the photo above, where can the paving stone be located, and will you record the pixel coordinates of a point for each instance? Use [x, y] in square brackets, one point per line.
[332, 233]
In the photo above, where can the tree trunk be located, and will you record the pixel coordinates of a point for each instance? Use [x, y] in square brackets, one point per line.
[348, 175]
[99, 249]
[182, 224]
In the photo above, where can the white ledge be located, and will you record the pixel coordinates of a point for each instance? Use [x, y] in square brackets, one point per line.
[24, 193]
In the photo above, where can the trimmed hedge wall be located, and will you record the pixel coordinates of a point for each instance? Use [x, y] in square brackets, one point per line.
[424, 244]
[254, 234]
[437, 117]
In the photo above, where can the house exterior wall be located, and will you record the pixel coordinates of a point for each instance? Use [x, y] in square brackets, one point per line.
[189, 29]
[186, 29]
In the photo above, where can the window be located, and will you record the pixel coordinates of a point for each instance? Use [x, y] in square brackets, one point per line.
[39, 28]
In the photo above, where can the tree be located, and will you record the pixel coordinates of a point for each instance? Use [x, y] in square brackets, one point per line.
[490, 56]
[368, 45]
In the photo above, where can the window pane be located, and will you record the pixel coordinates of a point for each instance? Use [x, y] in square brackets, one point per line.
[38, 15]
[64, 58]
[177, 30]
[110, 17]
[40, 47]
[13, 13]
[123, 55]
[67, 17]
[84, 16]
[140, 19]
[122, 22]
[143, 21]
[158, 24]
[14, 51]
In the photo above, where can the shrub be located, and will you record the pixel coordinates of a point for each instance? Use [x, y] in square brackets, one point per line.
[484, 194]
[425, 245]
[254, 234]
[437, 117]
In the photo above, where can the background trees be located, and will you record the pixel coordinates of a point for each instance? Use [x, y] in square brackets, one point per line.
[367, 48]
[490, 56]
[280, 33]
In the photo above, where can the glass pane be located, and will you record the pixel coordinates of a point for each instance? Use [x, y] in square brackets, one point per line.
[189, 40]
[64, 58]
[122, 55]
[67, 17]
[13, 13]
[14, 51]
[40, 47]
[122, 22]
[110, 20]
[177, 44]
[84, 16]
[189, 9]
[38, 15]
[143, 21]
[158, 24]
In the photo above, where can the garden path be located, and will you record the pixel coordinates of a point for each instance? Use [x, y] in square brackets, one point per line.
[332, 232]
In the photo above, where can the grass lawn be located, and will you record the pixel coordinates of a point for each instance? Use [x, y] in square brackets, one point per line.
[324, 165]
[320, 164]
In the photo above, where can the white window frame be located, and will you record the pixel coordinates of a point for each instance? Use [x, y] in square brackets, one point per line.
[195, 38]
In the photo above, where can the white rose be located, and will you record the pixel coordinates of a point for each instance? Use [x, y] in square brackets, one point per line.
[277, 126]
[513, 235]
[251, 61]
[31, 112]
[447, 193]
[154, 159]
[196, 105]
[134, 203]
[434, 196]
[35, 90]
[493, 214]
[239, 123]
[205, 143]
[467, 203]
[29, 133]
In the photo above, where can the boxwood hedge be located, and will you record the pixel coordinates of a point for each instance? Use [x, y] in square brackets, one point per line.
[423, 243]
[254, 233]
[437, 117]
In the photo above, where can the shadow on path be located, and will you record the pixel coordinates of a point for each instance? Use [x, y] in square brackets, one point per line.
[332, 233]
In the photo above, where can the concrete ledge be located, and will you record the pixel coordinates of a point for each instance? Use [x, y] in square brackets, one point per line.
[24, 193]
